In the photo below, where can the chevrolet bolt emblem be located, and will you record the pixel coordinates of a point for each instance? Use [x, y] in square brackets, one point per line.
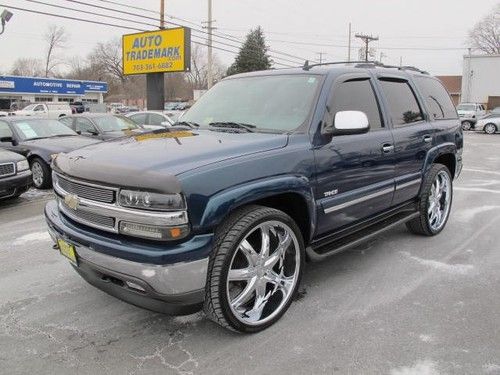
[72, 201]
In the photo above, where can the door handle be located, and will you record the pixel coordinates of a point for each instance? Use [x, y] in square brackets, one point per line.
[427, 139]
[387, 148]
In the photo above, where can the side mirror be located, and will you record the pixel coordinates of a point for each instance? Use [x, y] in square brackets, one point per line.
[7, 140]
[347, 122]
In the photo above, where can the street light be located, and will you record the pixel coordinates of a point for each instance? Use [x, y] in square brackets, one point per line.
[4, 18]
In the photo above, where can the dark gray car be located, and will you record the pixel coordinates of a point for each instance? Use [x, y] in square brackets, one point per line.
[102, 126]
[15, 174]
[39, 140]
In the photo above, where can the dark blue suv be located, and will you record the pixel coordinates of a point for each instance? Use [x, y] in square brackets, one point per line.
[267, 170]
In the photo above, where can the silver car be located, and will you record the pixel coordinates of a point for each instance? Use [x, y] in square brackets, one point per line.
[490, 124]
[151, 119]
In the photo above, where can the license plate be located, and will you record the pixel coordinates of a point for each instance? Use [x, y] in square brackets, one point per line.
[68, 251]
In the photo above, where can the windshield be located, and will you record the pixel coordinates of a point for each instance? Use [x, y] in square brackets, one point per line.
[275, 102]
[466, 107]
[115, 123]
[41, 128]
[30, 107]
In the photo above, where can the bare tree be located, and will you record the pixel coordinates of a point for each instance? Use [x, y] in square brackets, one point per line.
[56, 38]
[108, 56]
[485, 36]
[198, 76]
[27, 67]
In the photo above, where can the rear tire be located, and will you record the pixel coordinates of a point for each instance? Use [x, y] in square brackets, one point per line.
[435, 202]
[490, 128]
[466, 125]
[42, 175]
[249, 290]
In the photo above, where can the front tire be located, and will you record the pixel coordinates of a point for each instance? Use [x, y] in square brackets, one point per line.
[42, 178]
[490, 128]
[435, 202]
[254, 270]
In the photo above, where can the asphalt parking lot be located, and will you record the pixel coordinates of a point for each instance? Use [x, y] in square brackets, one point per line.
[400, 305]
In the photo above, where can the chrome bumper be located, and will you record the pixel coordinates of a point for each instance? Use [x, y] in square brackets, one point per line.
[165, 280]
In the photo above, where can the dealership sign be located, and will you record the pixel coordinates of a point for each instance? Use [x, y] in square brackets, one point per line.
[28, 85]
[167, 50]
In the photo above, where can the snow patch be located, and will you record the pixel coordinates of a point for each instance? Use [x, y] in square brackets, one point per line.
[455, 269]
[491, 368]
[32, 237]
[426, 338]
[425, 367]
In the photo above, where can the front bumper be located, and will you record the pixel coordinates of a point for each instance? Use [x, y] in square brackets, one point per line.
[173, 288]
[15, 185]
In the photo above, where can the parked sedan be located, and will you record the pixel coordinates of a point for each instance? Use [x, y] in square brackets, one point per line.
[15, 175]
[490, 124]
[39, 140]
[151, 119]
[102, 126]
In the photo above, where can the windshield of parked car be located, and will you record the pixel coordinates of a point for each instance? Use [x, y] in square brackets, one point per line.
[115, 123]
[273, 102]
[41, 128]
[466, 107]
[30, 107]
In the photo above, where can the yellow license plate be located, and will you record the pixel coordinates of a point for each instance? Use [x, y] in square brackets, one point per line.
[67, 250]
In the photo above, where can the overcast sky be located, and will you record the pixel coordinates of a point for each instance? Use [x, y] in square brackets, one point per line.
[435, 30]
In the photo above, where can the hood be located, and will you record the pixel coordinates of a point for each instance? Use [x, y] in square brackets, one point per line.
[60, 144]
[150, 160]
[462, 112]
[8, 156]
[23, 113]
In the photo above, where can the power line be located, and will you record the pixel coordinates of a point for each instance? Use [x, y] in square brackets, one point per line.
[301, 59]
[114, 25]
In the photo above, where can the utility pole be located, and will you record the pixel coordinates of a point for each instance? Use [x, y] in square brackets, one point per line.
[366, 39]
[382, 55]
[210, 28]
[155, 82]
[349, 45]
[400, 61]
[320, 56]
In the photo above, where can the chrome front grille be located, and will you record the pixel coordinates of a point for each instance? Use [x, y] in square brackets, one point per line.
[7, 169]
[98, 194]
[89, 218]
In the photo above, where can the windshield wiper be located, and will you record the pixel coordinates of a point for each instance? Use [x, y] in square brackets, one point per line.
[233, 125]
[62, 135]
[191, 124]
[35, 138]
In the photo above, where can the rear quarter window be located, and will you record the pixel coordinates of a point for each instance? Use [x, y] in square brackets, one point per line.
[437, 98]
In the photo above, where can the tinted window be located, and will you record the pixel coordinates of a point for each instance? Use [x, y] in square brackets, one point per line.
[437, 99]
[84, 125]
[403, 105]
[357, 96]
[139, 118]
[115, 123]
[5, 130]
[68, 121]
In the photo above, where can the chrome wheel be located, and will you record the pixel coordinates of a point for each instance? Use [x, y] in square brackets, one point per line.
[263, 273]
[466, 125]
[490, 129]
[439, 201]
[37, 171]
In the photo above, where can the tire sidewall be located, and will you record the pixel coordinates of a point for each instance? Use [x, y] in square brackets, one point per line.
[226, 310]
[490, 125]
[46, 173]
[466, 125]
[425, 203]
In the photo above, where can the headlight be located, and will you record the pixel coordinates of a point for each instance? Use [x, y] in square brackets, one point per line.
[151, 201]
[22, 165]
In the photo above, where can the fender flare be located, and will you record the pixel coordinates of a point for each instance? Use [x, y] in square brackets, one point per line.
[436, 151]
[220, 205]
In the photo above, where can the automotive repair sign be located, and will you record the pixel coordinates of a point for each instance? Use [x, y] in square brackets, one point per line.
[167, 50]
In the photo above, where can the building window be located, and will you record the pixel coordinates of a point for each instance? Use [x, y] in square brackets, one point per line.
[43, 99]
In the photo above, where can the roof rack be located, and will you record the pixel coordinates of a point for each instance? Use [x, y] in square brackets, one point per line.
[365, 64]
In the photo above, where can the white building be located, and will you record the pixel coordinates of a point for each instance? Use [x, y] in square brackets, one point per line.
[481, 80]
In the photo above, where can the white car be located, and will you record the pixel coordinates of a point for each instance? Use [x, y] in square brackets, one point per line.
[46, 110]
[3, 114]
[490, 124]
[469, 113]
[151, 119]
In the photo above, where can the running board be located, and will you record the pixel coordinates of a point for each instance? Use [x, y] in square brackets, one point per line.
[318, 253]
